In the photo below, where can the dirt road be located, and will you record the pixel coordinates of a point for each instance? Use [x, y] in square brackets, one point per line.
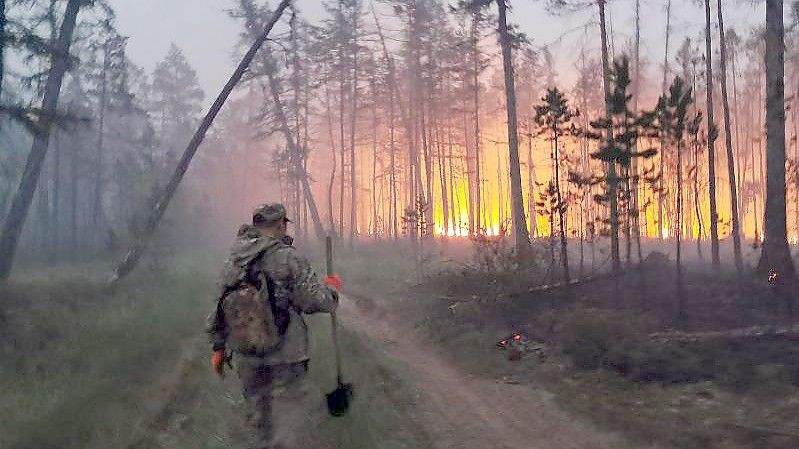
[457, 410]
[408, 396]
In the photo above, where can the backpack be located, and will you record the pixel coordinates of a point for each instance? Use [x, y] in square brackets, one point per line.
[254, 326]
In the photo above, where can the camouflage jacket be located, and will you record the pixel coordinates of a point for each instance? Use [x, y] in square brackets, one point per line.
[297, 291]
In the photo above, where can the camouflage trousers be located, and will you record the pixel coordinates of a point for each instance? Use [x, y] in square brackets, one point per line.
[279, 408]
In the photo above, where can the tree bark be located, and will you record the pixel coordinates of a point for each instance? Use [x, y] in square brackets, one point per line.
[636, 223]
[736, 226]
[20, 204]
[298, 167]
[330, 212]
[353, 126]
[611, 166]
[678, 231]
[521, 237]
[661, 181]
[134, 253]
[375, 181]
[474, 39]
[712, 133]
[564, 253]
[97, 201]
[2, 44]
[392, 89]
[776, 256]
[531, 182]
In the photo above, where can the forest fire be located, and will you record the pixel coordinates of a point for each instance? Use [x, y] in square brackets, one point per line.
[618, 178]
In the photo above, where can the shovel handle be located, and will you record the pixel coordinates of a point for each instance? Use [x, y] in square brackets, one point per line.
[333, 321]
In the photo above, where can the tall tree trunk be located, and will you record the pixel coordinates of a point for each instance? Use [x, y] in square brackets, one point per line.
[611, 166]
[134, 253]
[564, 253]
[442, 170]
[20, 204]
[55, 220]
[697, 204]
[531, 182]
[375, 181]
[427, 154]
[73, 202]
[392, 94]
[97, 202]
[636, 223]
[662, 193]
[678, 231]
[521, 236]
[353, 127]
[393, 177]
[2, 44]
[331, 184]
[342, 144]
[474, 39]
[712, 133]
[736, 226]
[295, 156]
[739, 159]
[776, 256]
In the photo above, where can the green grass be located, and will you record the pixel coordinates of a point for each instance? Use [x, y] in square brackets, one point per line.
[86, 369]
[80, 363]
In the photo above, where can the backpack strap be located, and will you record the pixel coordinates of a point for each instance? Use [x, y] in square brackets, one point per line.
[281, 315]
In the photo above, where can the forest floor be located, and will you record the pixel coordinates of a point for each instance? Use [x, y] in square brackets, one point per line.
[88, 369]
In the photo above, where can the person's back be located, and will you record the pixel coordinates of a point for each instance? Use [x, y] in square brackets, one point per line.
[273, 380]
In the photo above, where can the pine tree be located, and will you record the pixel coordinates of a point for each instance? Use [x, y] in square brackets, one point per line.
[617, 151]
[554, 118]
[674, 122]
[176, 98]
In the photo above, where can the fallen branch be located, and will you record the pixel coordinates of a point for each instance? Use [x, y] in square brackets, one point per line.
[549, 287]
[770, 430]
[739, 333]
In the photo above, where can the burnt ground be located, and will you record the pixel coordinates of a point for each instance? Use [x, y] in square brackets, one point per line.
[602, 363]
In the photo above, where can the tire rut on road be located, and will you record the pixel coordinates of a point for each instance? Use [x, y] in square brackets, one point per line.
[463, 411]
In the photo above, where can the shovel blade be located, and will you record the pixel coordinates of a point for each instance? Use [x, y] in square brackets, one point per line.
[338, 402]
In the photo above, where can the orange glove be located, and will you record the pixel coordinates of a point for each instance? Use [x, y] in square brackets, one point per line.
[218, 362]
[333, 281]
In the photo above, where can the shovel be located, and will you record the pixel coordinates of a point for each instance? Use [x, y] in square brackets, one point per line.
[338, 402]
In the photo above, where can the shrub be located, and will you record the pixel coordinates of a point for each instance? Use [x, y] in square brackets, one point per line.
[589, 336]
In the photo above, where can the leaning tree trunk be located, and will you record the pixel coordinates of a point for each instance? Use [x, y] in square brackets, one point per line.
[20, 204]
[134, 253]
[712, 133]
[611, 166]
[736, 226]
[519, 222]
[296, 155]
[775, 257]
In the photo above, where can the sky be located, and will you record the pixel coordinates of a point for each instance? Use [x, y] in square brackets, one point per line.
[208, 36]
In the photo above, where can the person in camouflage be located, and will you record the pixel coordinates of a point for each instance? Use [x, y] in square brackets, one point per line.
[274, 383]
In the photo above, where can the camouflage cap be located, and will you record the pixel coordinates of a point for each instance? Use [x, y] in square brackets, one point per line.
[269, 214]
